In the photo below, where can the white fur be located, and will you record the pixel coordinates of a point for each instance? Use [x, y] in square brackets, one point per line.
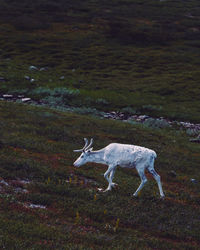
[124, 155]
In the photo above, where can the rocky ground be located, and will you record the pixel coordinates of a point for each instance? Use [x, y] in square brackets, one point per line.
[158, 122]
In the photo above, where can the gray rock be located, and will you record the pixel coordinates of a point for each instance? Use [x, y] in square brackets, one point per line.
[21, 190]
[62, 78]
[193, 180]
[43, 69]
[7, 96]
[172, 173]
[197, 140]
[143, 117]
[25, 99]
[33, 67]
[106, 115]
[2, 79]
[36, 206]
[27, 77]
[4, 182]
[32, 80]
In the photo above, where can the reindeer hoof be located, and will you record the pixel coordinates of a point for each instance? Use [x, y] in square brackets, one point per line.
[106, 190]
[162, 197]
[114, 184]
[103, 191]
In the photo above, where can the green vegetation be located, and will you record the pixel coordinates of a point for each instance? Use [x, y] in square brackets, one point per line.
[134, 56]
[127, 53]
[37, 146]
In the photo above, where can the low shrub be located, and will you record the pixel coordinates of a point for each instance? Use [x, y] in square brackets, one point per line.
[56, 92]
[53, 101]
[156, 123]
[129, 110]
[41, 91]
[150, 107]
[102, 101]
[192, 132]
[65, 93]
[56, 96]
[88, 111]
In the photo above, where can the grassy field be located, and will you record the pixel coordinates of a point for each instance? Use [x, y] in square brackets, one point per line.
[136, 56]
[36, 161]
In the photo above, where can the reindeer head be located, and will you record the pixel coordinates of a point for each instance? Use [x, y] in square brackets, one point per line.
[84, 157]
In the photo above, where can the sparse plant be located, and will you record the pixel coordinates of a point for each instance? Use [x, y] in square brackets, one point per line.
[53, 100]
[41, 91]
[116, 225]
[77, 219]
[65, 93]
[89, 111]
[140, 55]
[102, 101]
[150, 107]
[156, 123]
[192, 131]
[129, 110]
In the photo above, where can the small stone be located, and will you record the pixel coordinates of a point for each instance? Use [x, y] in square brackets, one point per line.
[172, 173]
[62, 78]
[193, 180]
[27, 77]
[25, 99]
[25, 182]
[21, 190]
[36, 206]
[7, 96]
[33, 67]
[32, 80]
[2, 79]
[197, 139]
[43, 69]
[4, 183]
[143, 117]
[106, 115]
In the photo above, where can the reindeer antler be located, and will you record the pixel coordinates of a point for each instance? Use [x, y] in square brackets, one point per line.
[84, 148]
[89, 146]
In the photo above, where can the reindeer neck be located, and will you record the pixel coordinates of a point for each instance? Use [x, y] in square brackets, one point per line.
[97, 156]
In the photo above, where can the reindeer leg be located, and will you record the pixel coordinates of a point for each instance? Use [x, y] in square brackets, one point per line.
[143, 180]
[157, 178]
[111, 177]
[109, 171]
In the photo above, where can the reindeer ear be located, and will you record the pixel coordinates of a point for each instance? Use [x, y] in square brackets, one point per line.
[89, 150]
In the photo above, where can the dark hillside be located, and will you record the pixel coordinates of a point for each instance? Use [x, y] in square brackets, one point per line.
[91, 57]
[129, 53]
[46, 203]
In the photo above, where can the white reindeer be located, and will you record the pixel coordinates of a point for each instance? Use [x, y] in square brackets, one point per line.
[115, 154]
